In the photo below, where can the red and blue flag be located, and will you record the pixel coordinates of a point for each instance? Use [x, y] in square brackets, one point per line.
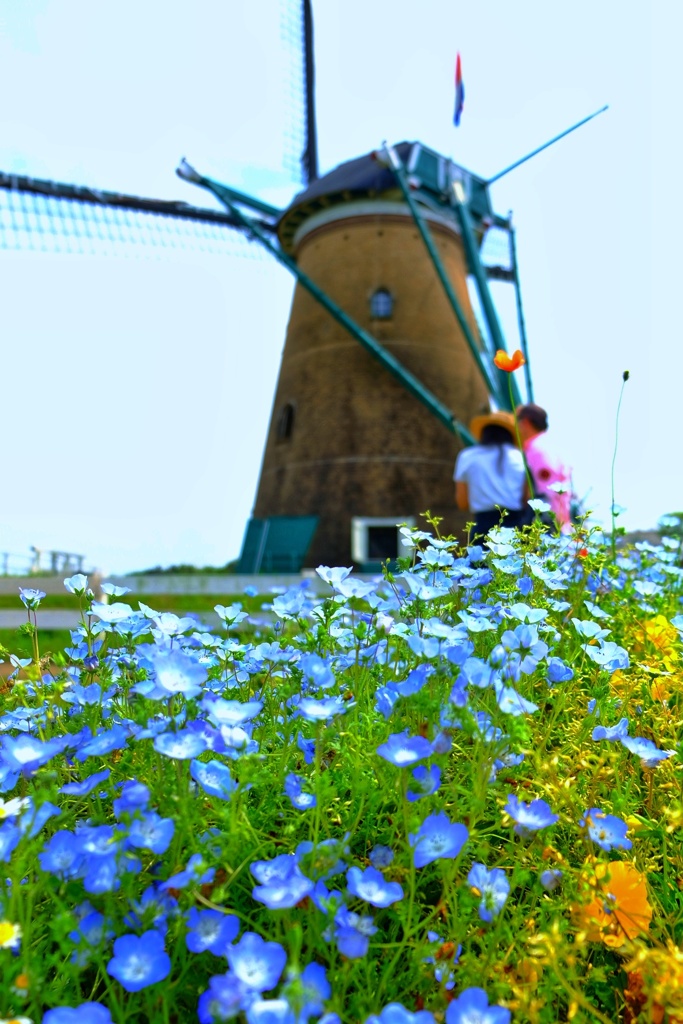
[459, 93]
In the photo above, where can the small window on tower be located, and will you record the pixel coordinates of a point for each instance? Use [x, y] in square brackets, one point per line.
[382, 304]
[285, 422]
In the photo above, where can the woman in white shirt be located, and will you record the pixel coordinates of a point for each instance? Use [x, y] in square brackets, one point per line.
[491, 476]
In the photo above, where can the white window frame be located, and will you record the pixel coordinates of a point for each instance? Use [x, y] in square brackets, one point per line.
[359, 535]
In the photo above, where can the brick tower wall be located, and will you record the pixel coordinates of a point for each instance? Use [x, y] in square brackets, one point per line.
[360, 444]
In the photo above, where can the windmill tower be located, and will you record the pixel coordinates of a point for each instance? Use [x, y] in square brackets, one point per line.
[383, 359]
[347, 443]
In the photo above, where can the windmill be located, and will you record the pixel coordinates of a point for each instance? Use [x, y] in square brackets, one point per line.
[384, 359]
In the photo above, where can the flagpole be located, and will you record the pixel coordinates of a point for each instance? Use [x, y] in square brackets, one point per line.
[546, 144]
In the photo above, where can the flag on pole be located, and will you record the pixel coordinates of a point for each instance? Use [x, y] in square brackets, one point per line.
[459, 93]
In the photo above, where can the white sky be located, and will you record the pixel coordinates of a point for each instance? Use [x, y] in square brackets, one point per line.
[136, 393]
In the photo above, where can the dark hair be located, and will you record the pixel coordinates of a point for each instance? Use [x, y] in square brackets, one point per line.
[495, 435]
[536, 416]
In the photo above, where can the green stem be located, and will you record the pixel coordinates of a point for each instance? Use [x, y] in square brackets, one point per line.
[624, 378]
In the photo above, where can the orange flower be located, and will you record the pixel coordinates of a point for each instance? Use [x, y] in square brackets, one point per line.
[620, 909]
[509, 363]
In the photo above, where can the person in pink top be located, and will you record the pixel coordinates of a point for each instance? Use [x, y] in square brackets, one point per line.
[545, 468]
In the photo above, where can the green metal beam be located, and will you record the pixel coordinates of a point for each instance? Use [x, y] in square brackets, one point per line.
[477, 270]
[551, 142]
[520, 315]
[387, 360]
[224, 193]
[491, 381]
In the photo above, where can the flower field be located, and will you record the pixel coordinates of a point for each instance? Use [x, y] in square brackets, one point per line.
[453, 794]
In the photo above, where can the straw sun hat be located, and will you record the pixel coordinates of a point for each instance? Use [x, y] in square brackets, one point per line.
[499, 419]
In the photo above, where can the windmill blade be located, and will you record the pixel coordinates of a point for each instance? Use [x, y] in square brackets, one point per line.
[52, 216]
[310, 154]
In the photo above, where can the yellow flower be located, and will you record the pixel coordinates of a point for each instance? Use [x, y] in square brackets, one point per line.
[10, 936]
[659, 633]
[620, 908]
[15, 1020]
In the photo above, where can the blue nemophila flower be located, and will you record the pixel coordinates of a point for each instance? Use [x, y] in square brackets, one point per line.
[472, 1007]
[86, 1013]
[134, 795]
[92, 931]
[646, 750]
[210, 930]
[524, 639]
[512, 703]
[62, 855]
[214, 777]
[9, 838]
[558, 671]
[448, 954]
[396, 1013]
[34, 818]
[26, 753]
[195, 873]
[415, 680]
[30, 597]
[139, 961]
[270, 1011]
[181, 745]
[231, 614]
[151, 832]
[324, 860]
[422, 590]
[606, 830]
[608, 655]
[352, 933]
[550, 879]
[402, 749]
[114, 613]
[230, 712]
[371, 886]
[478, 673]
[381, 856]
[290, 604]
[596, 611]
[437, 837]
[224, 998]
[529, 817]
[307, 748]
[590, 630]
[257, 963]
[424, 782]
[492, 886]
[385, 700]
[166, 624]
[321, 710]
[612, 732]
[151, 910]
[77, 584]
[104, 742]
[96, 841]
[283, 884]
[174, 671]
[306, 992]
[422, 646]
[294, 789]
[112, 590]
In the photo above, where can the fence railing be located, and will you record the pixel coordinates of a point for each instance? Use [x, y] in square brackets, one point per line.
[41, 561]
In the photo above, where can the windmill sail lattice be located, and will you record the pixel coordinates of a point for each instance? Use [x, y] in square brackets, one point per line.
[53, 217]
